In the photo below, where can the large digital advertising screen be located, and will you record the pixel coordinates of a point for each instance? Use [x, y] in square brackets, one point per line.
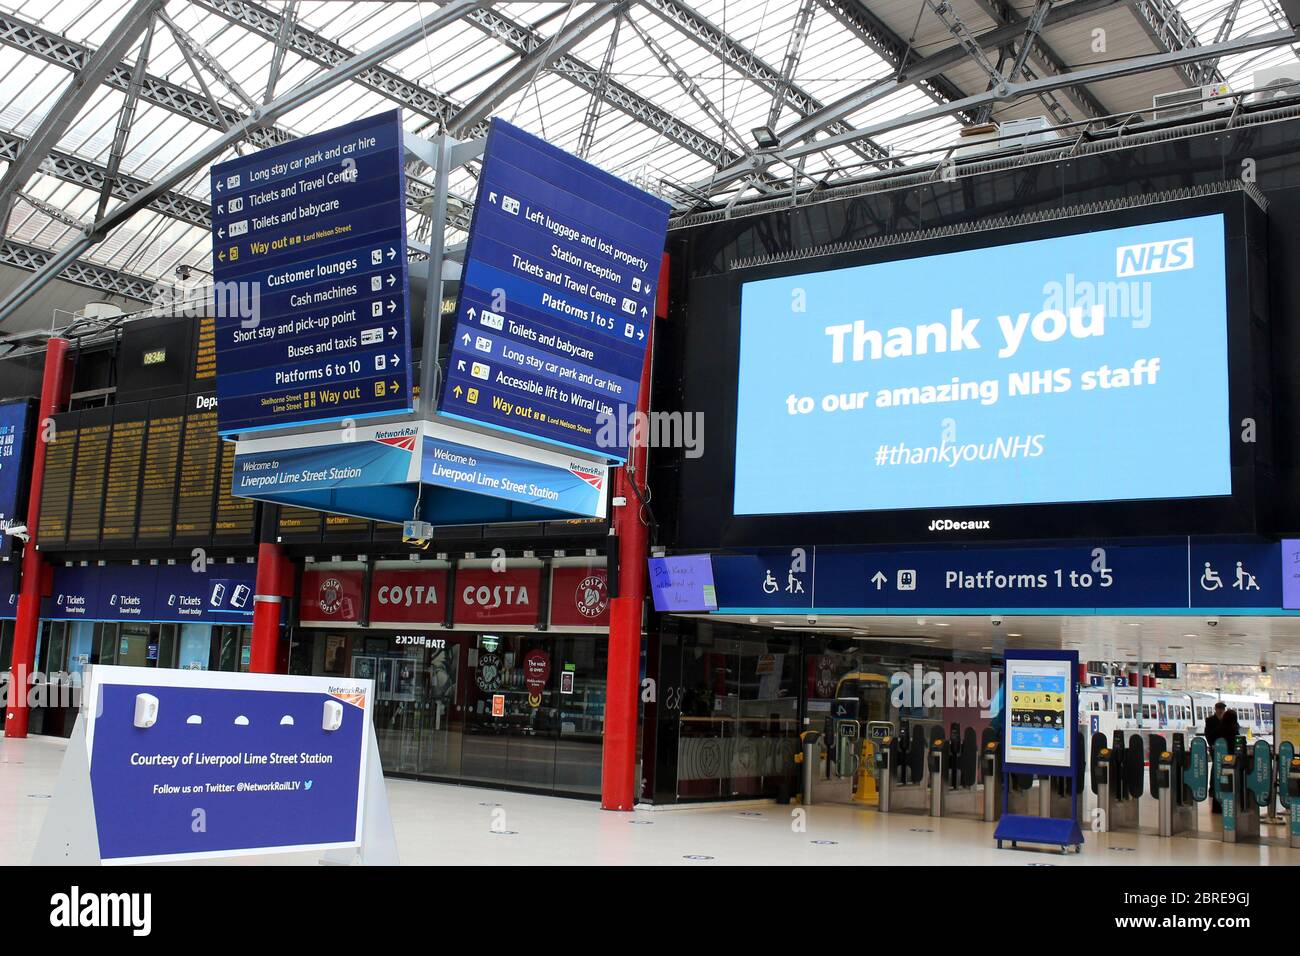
[1083, 368]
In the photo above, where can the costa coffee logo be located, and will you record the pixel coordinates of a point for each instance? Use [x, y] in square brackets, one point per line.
[501, 595]
[330, 595]
[409, 595]
[591, 596]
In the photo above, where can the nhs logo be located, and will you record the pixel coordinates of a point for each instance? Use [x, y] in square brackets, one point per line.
[1146, 258]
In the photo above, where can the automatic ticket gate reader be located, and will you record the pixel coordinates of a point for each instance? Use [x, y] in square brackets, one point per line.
[846, 748]
[1180, 782]
[1288, 788]
[939, 758]
[884, 773]
[1232, 775]
[1119, 810]
[991, 759]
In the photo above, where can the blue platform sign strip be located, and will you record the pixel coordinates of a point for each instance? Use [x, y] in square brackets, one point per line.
[260, 764]
[577, 489]
[318, 228]
[557, 296]
[13, 444]
[1180, 574]
[223, 594]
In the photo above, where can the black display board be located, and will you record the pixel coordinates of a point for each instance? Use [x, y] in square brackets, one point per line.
[196, 492]
[160, 471]
[94, 433]
[125, 467]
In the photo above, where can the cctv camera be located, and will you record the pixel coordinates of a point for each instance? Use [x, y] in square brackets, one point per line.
[18, 531]
[996, 620]
[1211, 622]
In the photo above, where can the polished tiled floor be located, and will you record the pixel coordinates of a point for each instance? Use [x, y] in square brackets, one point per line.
[466, 825]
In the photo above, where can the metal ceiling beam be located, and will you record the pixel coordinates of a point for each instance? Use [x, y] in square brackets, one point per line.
[204, 109]
[73, 99]
[39, 42]
[919, 71]
[1014, 91]
[124, 119]
[1166, 26]
[794, 45]
[688, 85]
[523, 39]
[1044, 60]
[92, 176]
[589, 121]
[285, 103]
[288, 20]
[100, 278]
[749, 64]
[889, 46]
[312, 46]
[526, 70]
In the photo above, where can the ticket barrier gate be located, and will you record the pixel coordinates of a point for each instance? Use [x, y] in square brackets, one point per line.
[1288, 788]
[992, 764]
[1243, 781]
[1117, 802]
[1180, 781]
[876, 737]
[939, 758]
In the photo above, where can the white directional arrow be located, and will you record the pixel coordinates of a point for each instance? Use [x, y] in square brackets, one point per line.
[396, 361]
[392, 332]
[391, 253]
[492, 197]
[392, 306]
[465, 338]
[219, 186]
[640, 334]
[221, 233]
[221, 208]
[391, 280]
[470, 313]
[460, 365]
[643, 312]
[878, 579]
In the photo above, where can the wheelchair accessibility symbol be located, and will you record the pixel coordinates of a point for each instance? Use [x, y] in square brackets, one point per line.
[1244, 580]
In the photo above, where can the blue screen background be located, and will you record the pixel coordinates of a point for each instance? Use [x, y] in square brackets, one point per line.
[1164, 440]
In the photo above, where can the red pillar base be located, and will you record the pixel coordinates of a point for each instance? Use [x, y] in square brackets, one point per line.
[618, 766]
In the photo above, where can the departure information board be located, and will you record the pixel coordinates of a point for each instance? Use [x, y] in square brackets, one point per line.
[235, 516]
[87, 511]
[161, 464]
[194, 494]
[56, 489]
[299, 524]
[557, 297]
[205, 349]
[309, 259]
[125, 466]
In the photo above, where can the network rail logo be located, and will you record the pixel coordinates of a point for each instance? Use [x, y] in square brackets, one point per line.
[1148, 258]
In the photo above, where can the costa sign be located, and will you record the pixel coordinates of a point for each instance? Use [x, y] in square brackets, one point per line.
[408, 595]
[579, 597]
[331, 596]
[498, 598]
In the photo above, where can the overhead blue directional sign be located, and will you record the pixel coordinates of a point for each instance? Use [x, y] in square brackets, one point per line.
[556, 299]
[1184, 574]
[310, 283]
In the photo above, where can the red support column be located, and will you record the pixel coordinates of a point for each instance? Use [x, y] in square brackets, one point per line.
[54, 389]
[622, 684]
[273, 570]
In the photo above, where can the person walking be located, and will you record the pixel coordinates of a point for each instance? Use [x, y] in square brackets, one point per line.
[1213, 731]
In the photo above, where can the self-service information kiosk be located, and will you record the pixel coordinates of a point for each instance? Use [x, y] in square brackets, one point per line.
[1039, 721]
